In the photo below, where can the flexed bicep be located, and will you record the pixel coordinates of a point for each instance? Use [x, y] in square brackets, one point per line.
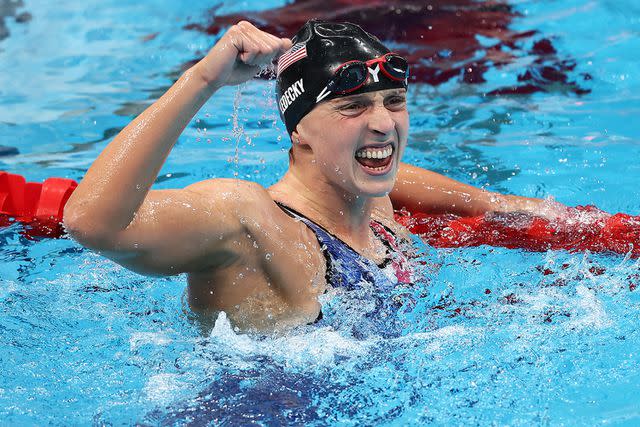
[173, 231]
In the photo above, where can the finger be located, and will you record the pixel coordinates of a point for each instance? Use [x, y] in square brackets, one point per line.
[283, 44]
[243, 42]
[249, 55]
[255, 52]
[267, 48]
[272, 46]
[257, 47]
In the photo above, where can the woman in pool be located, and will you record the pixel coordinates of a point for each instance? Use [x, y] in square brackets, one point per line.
[264, 256]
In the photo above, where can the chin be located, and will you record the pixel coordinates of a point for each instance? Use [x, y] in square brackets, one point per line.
[376, 189]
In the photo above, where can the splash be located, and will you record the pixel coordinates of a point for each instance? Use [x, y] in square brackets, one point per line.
[579, 229]
[304, 347]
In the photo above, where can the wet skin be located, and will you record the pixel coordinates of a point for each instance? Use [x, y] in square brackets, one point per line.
[275, 272]
[242, 253]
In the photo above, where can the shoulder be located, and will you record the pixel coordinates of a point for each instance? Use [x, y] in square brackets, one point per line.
[384, 214]
[247, 201]
[233, 195]
[227, 188]
[286, 249]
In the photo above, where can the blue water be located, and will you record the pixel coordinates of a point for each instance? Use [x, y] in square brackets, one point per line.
[489, 338]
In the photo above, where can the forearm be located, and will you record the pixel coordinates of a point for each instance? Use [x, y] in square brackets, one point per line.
[420, 190]
[118, 181]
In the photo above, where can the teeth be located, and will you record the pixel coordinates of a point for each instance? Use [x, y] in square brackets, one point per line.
[375, 153]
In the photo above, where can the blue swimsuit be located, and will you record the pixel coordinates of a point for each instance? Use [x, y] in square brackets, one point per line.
[349, 270]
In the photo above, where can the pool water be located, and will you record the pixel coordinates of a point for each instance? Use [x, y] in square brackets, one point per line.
[491, 336]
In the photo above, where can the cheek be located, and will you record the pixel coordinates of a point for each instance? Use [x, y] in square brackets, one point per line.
[403, 122]
[336, 144]
[323, 130]
[335, 153]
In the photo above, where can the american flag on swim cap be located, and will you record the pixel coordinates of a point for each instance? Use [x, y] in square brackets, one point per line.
[296, 53]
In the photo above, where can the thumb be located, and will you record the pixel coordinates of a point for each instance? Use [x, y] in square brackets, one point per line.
[286, 44]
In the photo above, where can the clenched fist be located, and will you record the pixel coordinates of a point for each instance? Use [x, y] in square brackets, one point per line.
[240, 54]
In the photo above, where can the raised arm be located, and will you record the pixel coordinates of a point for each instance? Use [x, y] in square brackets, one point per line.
[168, 231]
[420, 190]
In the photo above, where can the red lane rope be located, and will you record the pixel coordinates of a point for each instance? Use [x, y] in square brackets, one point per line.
[579, 229]
[40, 207]
[37, 205]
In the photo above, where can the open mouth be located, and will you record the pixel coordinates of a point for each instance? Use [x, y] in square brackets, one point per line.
[375, 160]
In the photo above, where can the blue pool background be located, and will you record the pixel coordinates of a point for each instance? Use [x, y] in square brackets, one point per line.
[83, 341]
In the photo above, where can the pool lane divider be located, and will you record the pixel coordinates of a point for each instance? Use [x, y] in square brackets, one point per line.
[40, 206]
[580, 229]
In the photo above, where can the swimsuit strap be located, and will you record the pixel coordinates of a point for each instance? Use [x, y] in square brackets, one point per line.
[401, 263]
[345, 266]
[321, 233]
[347, 269]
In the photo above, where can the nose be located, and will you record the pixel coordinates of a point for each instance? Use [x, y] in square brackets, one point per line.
[380, 121]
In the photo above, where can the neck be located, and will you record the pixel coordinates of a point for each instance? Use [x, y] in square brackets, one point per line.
[345, 215]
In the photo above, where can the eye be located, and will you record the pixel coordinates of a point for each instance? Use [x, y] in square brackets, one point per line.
[395, 102]
[351, 108]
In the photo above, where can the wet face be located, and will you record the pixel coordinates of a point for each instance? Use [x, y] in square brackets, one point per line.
[357, 141]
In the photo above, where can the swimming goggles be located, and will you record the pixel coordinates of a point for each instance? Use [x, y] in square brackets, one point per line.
[352, 75]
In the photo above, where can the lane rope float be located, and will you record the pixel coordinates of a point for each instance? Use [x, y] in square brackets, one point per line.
[39, 206]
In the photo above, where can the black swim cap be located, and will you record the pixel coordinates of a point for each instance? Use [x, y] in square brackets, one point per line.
[319, 48]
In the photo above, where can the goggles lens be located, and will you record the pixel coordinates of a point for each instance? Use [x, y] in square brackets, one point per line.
[351, 75]
[396, 66]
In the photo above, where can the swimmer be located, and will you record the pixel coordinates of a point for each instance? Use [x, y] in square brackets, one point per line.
[265, 255]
